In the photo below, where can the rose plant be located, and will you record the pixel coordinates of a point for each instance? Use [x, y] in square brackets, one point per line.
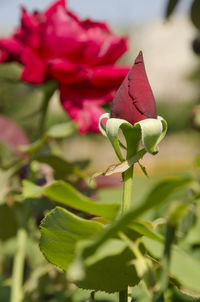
[116, 249]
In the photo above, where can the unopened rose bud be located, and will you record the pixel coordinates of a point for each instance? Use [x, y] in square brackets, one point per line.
[134, 100]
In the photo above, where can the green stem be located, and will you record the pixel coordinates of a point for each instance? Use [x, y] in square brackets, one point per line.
[18, 267]
[127, 188]
[43, 114]
[164, 276]
[49, 89]
[126, 201]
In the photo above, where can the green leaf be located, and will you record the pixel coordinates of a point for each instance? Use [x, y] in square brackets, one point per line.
[177, 296]
[5, 292]
[195, 13]
[156, 197]
[10, 71]
[108, 269]
[145, 228]
[67, 195]
[56, 131]
[60, 233]
[61, 130]
[31, 190]
[171, 5]
[8, 222]
[183, 267]
[61, 167]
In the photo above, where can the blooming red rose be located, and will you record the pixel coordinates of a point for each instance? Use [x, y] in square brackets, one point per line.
[80, 54]
[134, 100]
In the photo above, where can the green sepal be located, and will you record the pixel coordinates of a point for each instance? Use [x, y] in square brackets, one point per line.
[149, 131]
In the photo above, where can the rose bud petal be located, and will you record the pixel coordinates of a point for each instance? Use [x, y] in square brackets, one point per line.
[134, 100]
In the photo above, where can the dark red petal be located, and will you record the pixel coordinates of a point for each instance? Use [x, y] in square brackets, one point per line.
[12, 47]
[67, 72]
[34, 69]
[83, 104]
[134, 100]
[29, 33]
[140, 89]
[109, 75]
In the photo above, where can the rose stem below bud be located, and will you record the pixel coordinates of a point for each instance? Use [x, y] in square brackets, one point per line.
[127, 188]
[126, 200]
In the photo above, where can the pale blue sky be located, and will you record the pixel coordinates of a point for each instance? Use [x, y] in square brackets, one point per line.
[116, 12]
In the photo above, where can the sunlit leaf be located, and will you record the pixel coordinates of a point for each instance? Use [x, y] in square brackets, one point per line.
[67, 195]
[60, 232]
[156, 197]
[31, 190]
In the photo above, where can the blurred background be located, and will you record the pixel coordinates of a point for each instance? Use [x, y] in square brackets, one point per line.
[171, 63]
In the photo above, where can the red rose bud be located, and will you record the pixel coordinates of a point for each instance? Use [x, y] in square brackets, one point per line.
[134, 100]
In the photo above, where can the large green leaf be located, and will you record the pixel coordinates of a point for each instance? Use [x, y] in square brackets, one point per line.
[108, 269]
[60, 233]
[112, 258]
[155, 198]
[66, 194]
[183, 267]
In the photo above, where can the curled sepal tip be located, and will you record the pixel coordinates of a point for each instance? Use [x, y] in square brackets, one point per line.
[149, 131]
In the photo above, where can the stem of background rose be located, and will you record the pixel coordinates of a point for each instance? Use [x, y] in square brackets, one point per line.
[126, 201]
[18, 267]
[164, 276]
[48, 89]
